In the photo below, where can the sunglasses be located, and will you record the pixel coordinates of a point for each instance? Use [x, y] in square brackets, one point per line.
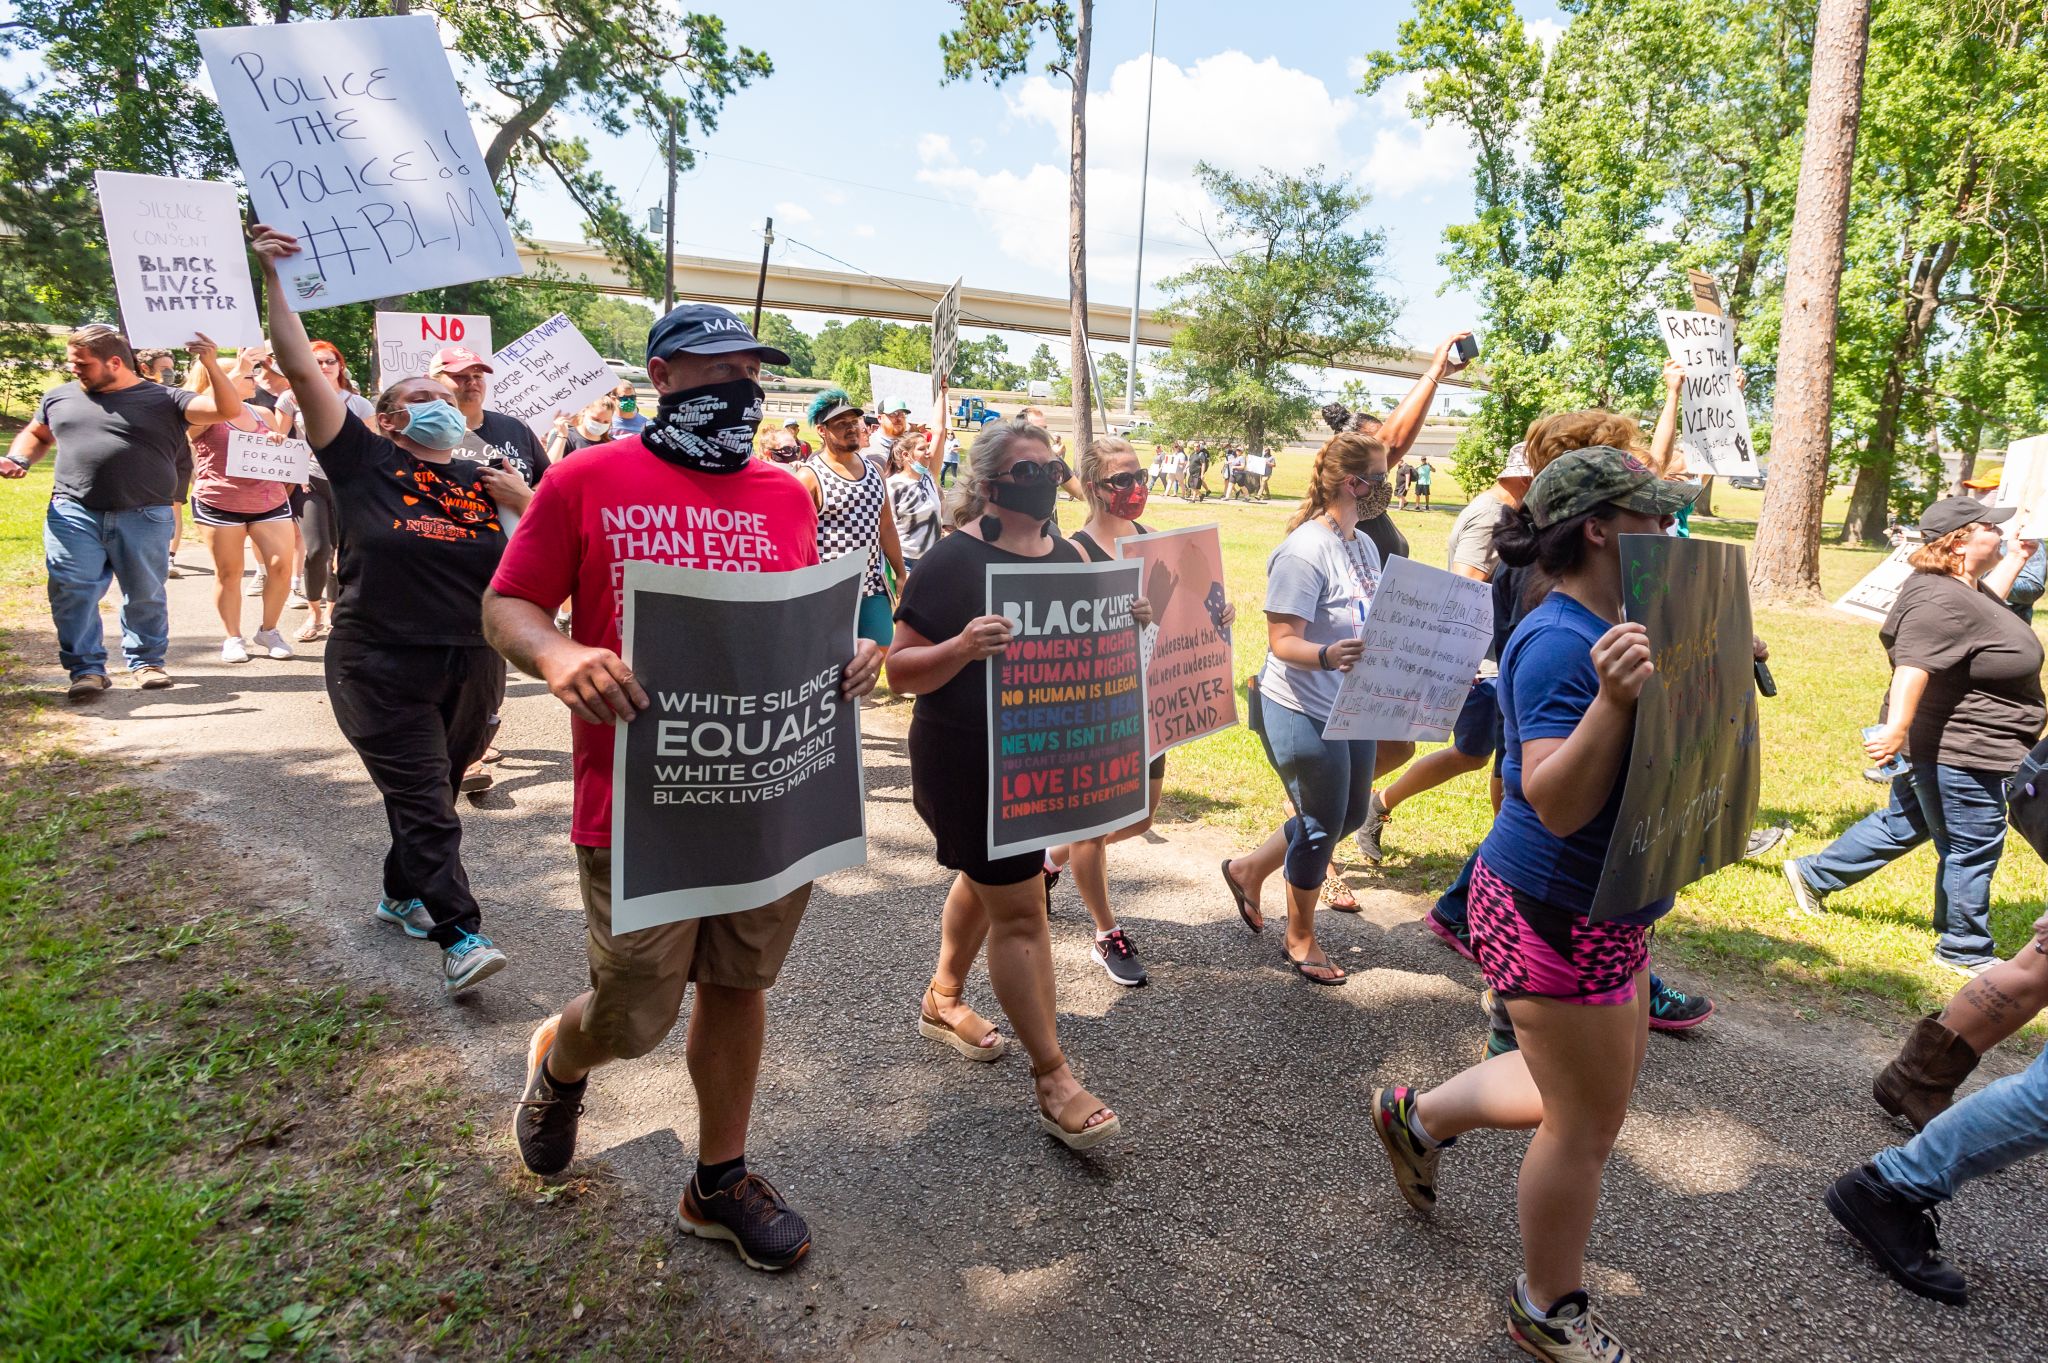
[1026, 472]
[1122, 482]
[328, 362]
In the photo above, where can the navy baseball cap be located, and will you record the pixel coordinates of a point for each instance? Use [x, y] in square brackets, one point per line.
[702, 329]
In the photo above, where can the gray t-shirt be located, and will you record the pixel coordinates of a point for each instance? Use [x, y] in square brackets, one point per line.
[1327, 581]
[1472, 533]
[118, 449]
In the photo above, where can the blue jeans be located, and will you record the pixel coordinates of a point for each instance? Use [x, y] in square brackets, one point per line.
[84, 551]
[1451, 906]
[1963, 811]
[2000, 1124]
[1329, 781]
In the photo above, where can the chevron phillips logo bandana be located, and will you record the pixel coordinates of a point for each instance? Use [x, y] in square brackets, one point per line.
[709, 429]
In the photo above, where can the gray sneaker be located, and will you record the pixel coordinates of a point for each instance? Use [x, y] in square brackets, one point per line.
[1762, 840]
[1376, 817]
[471, 959]
[409, 914]
[1809, 900]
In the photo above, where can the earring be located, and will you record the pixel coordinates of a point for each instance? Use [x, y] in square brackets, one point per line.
[991, 528]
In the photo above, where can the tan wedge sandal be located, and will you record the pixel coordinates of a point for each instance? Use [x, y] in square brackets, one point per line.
[964, 1036]
[1071, 1127]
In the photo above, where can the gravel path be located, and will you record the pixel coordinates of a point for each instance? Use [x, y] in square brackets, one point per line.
[1247, 1214]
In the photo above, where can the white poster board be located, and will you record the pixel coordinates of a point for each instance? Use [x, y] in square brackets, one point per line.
[2024, 484]
[1425, 634]
[251, 454]
[353, 138]
[180, 266]
[1872, 598]
[553, 368]
[907, 384]
[945, 339]
[406, 341]
[1713, 423]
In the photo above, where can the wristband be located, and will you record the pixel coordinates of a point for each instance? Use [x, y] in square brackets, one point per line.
[1323, 657]
[21, 464]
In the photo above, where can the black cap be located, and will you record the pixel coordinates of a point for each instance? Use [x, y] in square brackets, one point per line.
[1953, 513]
[702, 329]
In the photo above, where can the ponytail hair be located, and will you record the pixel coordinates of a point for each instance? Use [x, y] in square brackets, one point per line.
[1347, 454]
[979, 464]
[1553, 550]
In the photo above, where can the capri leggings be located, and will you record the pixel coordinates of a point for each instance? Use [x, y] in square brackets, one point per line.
[321, 529]
[1329, 781]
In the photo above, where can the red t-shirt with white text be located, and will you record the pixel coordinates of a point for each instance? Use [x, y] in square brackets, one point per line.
[617, 502]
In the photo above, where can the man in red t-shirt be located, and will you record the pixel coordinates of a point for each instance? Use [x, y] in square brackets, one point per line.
[685, 491]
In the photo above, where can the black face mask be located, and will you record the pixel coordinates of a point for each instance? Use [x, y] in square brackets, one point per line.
[709, 429]
[1035, 500]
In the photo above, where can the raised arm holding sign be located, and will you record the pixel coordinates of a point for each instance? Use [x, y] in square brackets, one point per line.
[1714, 423]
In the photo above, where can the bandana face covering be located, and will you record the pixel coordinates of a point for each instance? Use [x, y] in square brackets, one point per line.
[1129, 504]
[709, 429]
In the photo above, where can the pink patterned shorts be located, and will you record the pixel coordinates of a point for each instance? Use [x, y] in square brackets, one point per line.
[1531, 949]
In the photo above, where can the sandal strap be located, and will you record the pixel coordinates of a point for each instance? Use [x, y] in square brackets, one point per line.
[936, 992]
[1075, 1112]
[1040, 1069]
[974, 1029]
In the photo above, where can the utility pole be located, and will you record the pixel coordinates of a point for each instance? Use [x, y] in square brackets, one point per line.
[668, 225]
[1144, 173]
[761, 281]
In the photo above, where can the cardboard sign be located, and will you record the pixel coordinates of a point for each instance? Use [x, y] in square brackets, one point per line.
[252, 454]
[553, 368]
[1706, 294]
[1713, 423]
[2024, 484]
[1696, 765]
[1190, 679]
[180, 264]
[353, 138]
[1425, 634]
[742, 781]
[406, 341]
[1872, 598]
[945, 339]
[907, 384]
[1066, 705]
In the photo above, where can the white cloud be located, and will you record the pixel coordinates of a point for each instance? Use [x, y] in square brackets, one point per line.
[1406, 154]
[863, 229]
[790, 212]
[834, 197]
[1544, 31]
[935, 149]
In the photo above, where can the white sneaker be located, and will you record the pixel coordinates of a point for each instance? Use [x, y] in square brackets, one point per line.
[234, 650]
[255, 587]
[271, 642]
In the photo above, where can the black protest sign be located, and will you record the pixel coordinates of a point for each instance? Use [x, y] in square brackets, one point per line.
[1066, 705]
[742, 780]
[1696, 764]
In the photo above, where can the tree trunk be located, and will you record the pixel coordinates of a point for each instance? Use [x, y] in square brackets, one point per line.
[1869, 504]
[1077, 233]
[1787, 563]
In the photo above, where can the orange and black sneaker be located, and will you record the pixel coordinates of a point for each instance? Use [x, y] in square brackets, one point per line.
[747, 1211]
[544, 1124]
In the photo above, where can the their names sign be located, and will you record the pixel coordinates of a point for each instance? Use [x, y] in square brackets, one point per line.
[1695, 765]
[180, 265]
[1190, 682]
[1713, 423]
[406, 341]
[252, 454]
[553, 368]
[1066, 705]
[1425, 634]
[742, 781]
[353, 138]
[1872, 598]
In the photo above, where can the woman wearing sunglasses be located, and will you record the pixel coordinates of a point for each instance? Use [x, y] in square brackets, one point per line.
[1116, 487]
[1002, 509]
[1318, 584]
[319, 521]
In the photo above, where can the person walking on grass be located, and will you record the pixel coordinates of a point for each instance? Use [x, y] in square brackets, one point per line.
[1424, 473]
[409, 676]
[1577, 990]
[120, 439]
[695, 454]
[233, 513]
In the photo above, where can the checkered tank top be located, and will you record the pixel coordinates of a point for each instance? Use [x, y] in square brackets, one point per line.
[850, 521]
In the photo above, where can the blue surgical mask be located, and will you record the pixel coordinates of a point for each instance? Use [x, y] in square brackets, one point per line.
[439, 425]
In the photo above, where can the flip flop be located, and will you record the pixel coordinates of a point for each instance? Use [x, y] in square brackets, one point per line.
[1245, 908]
[1302, 968]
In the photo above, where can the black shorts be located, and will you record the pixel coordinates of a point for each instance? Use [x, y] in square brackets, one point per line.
[295, 497]
[949, 790]
[203, 514]
[1157, 771]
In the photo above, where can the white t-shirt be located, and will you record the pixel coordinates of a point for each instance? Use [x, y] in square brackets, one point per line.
[1327, 581]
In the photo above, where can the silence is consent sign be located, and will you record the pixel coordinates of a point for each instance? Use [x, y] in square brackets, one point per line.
[1696, 765]
[1713, 423]
[1066, 705]
[553, 368]
[1425, 634]
[742, 781]
[353, 138]
[180, 262]
[1190, 688]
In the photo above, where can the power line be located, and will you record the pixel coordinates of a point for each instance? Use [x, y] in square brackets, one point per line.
[896, 284]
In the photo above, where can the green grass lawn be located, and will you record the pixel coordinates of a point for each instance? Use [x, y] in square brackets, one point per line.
[1831, 675]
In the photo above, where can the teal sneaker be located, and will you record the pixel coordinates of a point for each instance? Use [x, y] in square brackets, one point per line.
[409, 914]
[471, 959]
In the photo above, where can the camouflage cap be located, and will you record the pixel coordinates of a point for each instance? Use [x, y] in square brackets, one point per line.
[1600, 475]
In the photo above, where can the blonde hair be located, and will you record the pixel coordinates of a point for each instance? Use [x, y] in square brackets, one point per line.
[1939, 555]
[1347, 454]
[979, 463]
[1563, 432]
[1089, 466]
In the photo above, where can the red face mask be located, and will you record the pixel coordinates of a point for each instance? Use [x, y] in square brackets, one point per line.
[1130, 505]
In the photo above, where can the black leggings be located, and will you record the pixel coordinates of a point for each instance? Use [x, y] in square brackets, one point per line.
[321, 529]
[417, 715]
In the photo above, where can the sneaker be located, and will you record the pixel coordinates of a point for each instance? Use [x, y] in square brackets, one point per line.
[1809, 900]
[1571, 1333]
[491, 754]
[174, 571]
[1456, 936]
[1762, 840]
[271, 642]
[152, 676]
[1414, 1166]
[470, 960]
[1118, 958]
[87, 686]
[409, 914]
[1500, 1028]
[234, 650]
[545, 1122]
[298, 592]
[475, 780]
[752, 1215]
[1376, 817]
[1969, 970]
[1674, 1010]
[255, 587]
[1899, 1232]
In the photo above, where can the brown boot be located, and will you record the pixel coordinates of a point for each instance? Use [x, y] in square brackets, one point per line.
[1920, 1084]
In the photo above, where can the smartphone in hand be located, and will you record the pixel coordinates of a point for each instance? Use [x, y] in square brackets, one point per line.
[1467, 349]
[1765, 684]
[1892, 768]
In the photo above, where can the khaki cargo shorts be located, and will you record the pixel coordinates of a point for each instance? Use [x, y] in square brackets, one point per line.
[637, 978]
